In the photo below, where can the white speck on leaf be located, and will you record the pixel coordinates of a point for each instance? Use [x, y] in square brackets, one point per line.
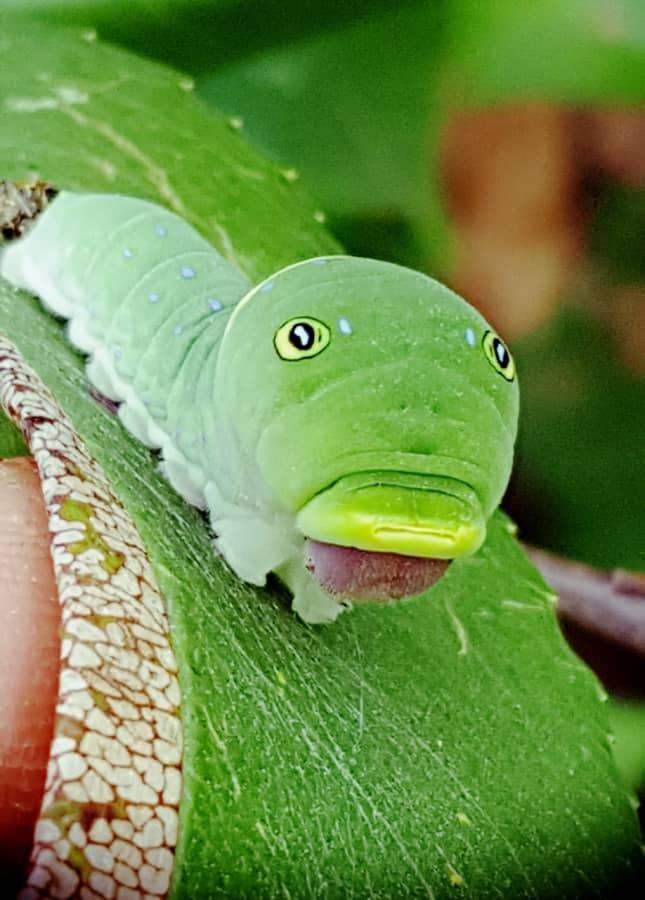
[261, 830]
[456, 880]
[226, 243]
[72, 96]
[290, 174]
[252, 174]
[221, 746]
[105, 167]
[516, 604]
[460, 630]
[30, 104]
[63, 96]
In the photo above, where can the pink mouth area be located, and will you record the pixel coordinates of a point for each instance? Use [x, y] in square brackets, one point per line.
[366, 576]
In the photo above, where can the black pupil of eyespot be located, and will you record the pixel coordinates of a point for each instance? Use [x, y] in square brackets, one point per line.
[501, 353]
[302, 336]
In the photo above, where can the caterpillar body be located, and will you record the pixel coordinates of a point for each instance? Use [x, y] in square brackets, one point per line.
[347, 423]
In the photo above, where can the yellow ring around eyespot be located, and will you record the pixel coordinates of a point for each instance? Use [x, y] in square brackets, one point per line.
[286, 349]
[488, 344]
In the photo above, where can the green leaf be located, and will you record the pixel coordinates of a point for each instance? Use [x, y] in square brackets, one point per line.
[195, 34]
[450, 746]
[357, 99]
[580, 452]
[128, 126]
[627, 719]
[571, 51]
[371, 84]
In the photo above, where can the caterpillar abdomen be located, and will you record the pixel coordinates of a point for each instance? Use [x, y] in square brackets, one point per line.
[147, 297]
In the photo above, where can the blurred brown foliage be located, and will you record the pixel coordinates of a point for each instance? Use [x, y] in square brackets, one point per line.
[519, 182]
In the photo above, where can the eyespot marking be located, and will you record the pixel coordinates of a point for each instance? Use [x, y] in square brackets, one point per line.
[187, 272]
[469, 334]
[301, 338]
[497, 354]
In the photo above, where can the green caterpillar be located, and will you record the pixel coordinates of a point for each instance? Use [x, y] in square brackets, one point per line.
[347, 423]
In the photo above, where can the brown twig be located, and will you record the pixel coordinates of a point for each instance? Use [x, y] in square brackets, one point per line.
[608, 604]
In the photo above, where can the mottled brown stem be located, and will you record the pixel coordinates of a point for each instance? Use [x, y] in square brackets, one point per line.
[108, 820]
[608, 604]
[20, 204]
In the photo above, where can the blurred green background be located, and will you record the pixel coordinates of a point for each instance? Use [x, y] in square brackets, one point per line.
[499, 147]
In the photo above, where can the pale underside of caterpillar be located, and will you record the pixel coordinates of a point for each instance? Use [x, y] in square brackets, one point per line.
[347, 423]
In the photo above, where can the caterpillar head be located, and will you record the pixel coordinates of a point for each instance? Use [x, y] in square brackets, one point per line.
[379, 407]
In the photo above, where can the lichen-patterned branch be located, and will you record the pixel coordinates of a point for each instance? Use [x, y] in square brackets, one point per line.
[108, 822]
